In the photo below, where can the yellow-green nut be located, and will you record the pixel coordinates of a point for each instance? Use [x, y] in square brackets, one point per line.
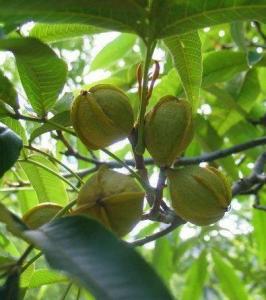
[40, 214]
[102, 116]
[168, 129]
[113, 199]
[199, 195]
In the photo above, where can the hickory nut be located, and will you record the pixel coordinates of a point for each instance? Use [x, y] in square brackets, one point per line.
[168, 129]
[199, 195]
[102, 116]
[112, 198]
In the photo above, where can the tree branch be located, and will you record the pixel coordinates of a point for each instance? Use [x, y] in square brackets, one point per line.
[221, 153]
[256, 177]
[176, 223]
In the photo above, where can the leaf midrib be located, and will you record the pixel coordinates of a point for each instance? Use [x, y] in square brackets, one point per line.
[209, 12]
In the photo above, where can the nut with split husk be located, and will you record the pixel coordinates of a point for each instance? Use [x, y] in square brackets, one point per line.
[168, 129]
[113, 199]
[199, 195]
[102, 116]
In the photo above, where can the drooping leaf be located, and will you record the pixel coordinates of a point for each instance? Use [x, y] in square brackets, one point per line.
[115, 271]
[195, 279]
[209, 140]
[219, 66]
[48, 187]
[259, 223]
[236, 108]
[113, 51]
[7, 92]
[186, 53]
[25, 277]
[231, 284]
[10, 146]
[238, 35]
[44, 276]
[163, 258]
[41, 71]
[50, 33]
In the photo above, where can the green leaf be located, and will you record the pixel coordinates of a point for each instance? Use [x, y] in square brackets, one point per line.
[7, 92]
[49, 33]
[169, 85]
[238, 35]
[44, 276]
[25, 277]
[63, 104]
[229, 281]
[178, 17]
[113, 51]
[10, 146]
[259, 224]
[107, 267]
[119, 15]
[62, 119]
[4, 110]
[16, 126]
[41, 72]
[209, 140]
[237, 108]
[48, 187]
[8, 246]
[195, 279]
[186, 53]
[12, 222]
[219, 66]
[27, 200]
[163, 258]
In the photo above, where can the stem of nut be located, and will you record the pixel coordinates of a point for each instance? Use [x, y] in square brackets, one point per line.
[144, 98]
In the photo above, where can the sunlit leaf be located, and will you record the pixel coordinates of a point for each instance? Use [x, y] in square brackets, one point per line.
[57, 32]
[41, 71]
[48, 187]
[186, 53]
[113, 51]
[195, 279]
[7, 91]
[230, 282]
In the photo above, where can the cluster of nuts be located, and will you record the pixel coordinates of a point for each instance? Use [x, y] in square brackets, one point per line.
[102, 116]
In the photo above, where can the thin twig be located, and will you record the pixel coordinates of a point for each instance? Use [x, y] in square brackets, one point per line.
[67, 291]
[256, 177]
[221, 153]
[176, 223]
[72, 152]
[158, 193]
[183, 161]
